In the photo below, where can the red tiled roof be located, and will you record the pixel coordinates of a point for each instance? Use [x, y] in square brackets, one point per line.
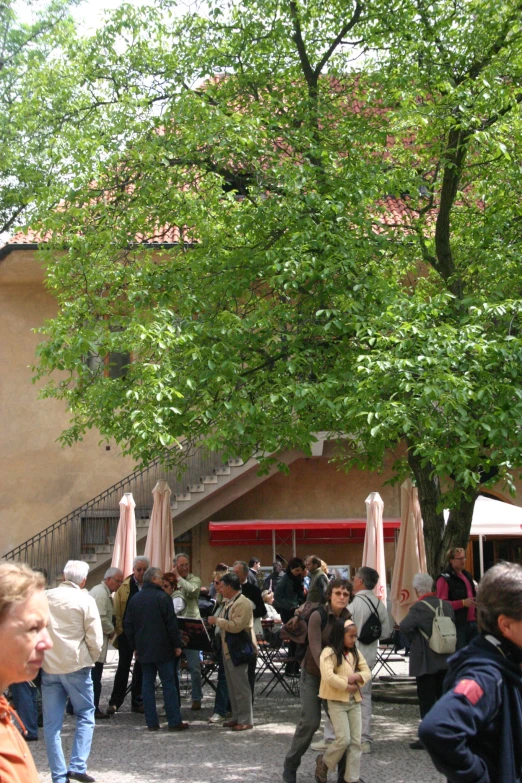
[396, 212]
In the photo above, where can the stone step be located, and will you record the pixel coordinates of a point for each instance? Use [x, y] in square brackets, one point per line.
[91, 557]
[398, 691]
[102, 549]
[210, 479]
[236, 462]
[196, 488]
[184, 497]
[142, 523]
[224, 471]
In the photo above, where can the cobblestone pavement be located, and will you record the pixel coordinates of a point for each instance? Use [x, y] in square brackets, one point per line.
[123, 751]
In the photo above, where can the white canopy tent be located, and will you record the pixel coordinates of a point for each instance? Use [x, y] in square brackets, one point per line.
[494, 518]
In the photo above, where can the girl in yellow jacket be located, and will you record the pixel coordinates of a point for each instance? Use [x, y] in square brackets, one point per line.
[343, 671]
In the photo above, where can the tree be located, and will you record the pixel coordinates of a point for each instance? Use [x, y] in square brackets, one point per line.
[299, 218]
[27, 41]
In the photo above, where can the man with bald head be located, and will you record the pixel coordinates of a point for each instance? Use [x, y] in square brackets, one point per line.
[102, 594]
[131, 585]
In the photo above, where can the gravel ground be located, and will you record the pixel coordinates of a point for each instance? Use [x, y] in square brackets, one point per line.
[124, 751]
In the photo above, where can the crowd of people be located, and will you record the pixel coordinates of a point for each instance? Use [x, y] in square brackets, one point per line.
[470, 702]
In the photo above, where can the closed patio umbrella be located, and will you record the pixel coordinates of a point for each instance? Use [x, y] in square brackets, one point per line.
[125, 543]
[373, 551]
[410, 558]
[160, 543]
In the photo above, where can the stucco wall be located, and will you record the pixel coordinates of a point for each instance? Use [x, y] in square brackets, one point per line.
[314, 488]
[40, 480]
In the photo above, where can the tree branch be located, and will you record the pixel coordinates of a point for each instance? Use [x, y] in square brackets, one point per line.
[308, 71]
[478, 66]
[339, 39]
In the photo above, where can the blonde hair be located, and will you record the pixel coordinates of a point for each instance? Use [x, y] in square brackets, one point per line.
[17, 583]
[324, 567]
[454, 551]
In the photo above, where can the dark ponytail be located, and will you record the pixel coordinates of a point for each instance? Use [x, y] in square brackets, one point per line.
[336, 639]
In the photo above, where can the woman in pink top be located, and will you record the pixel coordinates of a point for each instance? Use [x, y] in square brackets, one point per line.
[457, 586]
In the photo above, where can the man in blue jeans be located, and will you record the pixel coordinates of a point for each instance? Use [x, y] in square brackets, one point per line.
[76, 631]
[152, 630]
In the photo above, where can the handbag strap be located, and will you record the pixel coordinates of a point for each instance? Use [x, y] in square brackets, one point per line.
[373, 609]
[438, 612]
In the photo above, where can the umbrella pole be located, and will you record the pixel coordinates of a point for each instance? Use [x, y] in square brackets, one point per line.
[293, 543]
[273, 547]
[481, 555]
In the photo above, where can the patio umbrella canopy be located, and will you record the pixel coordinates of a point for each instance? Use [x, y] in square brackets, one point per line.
[410, 558]
[495, 518]
[373, 551]
[125, 543]
[160, 542]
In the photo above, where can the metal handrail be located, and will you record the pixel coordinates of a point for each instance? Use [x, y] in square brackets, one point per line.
[64, 540]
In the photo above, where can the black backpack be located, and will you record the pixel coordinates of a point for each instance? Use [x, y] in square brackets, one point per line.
[372, 627]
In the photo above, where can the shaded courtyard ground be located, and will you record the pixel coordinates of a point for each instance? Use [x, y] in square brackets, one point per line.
[124, 751]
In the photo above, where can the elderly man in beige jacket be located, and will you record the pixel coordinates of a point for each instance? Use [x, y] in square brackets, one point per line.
[76, 631]
[102, 594]
[237, 616]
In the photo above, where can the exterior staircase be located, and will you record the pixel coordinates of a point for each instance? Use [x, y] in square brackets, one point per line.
[207, 484]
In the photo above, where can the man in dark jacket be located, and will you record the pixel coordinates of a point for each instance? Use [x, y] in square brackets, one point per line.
[318, 580]
[152, 630]
[273, 578]
[252, 592]
[456, 585]
[473, 733]
[254, 564]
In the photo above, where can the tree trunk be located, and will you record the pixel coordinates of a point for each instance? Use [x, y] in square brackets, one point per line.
[438, 536]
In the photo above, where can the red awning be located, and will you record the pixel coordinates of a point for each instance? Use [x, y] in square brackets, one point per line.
[311, 531]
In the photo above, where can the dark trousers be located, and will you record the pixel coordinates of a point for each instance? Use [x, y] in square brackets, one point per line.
[222, 702]
[25, 702]
[309, 722]
[252, 674]
[121, 677]
[429, 690]
[96, 675]
[167, 675]
[465, 633]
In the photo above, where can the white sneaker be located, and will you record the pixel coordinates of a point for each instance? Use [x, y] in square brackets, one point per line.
[366, 747]
[319, 745]
[216, 718]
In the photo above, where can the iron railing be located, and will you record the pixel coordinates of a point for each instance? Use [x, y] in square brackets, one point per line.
[94, 523]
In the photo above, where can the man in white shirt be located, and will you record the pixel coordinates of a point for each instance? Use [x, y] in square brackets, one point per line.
[76, 631]
[188, 590]
[361, 609]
